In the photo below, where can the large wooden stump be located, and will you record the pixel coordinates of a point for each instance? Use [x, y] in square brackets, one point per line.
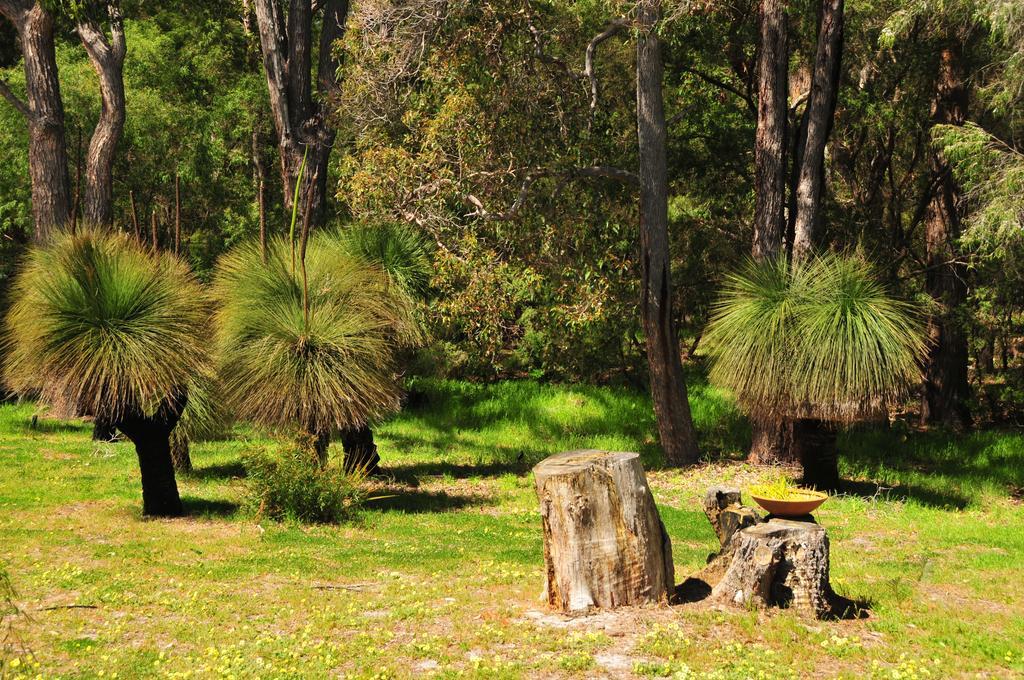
[769, 563]
[604, 542]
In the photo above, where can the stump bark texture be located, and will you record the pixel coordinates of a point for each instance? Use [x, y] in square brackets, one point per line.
[768, 563]
[604, 543]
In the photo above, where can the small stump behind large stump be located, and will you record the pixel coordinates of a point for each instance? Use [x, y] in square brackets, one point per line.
[769, 563]
[604, 542]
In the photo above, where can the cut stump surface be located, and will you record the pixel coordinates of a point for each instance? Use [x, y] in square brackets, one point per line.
[604, 543]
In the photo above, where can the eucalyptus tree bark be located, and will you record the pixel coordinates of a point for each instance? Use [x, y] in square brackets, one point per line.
[821, 108]
[43, 110]
[668, 386]
[771, 442]
[946, 388]
[770, 140]
[107, 59]
[301, 119]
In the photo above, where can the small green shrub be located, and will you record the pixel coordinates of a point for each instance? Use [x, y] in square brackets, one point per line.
[287, 483]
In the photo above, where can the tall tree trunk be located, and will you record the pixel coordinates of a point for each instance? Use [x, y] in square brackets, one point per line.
[300, 120]
[770, 142]
[821, 108]
[44, 113]
[668, 386]
[771, 440]
[107, 58]
[946, 389]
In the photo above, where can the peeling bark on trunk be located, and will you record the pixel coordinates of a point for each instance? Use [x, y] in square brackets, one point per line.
[604, 543]
[820, 113]
[946, 388]
[44, 114]
[107, 59]
[301, 120]
[668, 386]
[770, 141]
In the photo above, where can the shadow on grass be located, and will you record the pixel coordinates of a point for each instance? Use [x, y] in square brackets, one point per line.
[694, 590]
[935, 468]
[40, 425]
[205, 507]
[414, 502]
[410, 473]
[233, 470]
[444, 409]
[903, 492]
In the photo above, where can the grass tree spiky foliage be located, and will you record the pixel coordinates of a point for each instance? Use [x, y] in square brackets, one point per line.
[403, 255]
[106, 327]
[319, 360]
[397, 249]
[822, 339]
[815, 341]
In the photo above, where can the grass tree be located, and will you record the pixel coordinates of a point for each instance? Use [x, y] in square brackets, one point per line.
[309, 343]
[101, 325]
[820, 342]
[402, 254]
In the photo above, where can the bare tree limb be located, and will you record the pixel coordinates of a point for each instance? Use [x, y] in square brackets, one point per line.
[14, 100]
[15, 10]
[614, 27]
[721, 84]
[608, 172]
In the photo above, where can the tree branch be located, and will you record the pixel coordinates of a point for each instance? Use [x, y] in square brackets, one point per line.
[14, 101]
[117, 42]
[614, 27]
[721, 84]
[15, 10]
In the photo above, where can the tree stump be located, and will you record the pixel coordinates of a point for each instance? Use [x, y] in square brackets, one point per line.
[769, 563]
[604, 543]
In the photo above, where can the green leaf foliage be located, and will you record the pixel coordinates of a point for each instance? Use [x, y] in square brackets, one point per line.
[339, 370]
[100, 325]
[819, 339]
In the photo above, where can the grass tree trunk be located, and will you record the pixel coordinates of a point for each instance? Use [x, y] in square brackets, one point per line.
[360, 451]
[771, 439]
[946, 388]
[107, 58]
[181, 451]
[152, 438]
[44, 113]
[668, 386]
[103, 429]
[815, 443]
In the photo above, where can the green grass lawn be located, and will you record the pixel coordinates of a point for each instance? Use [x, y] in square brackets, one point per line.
[443, 576]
